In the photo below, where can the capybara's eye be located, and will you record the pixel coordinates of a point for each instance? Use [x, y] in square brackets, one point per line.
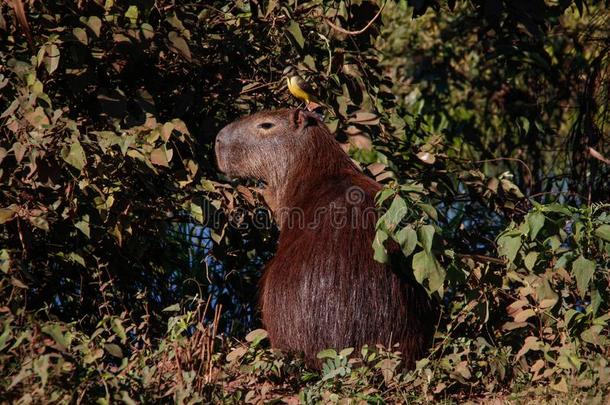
[265, 125]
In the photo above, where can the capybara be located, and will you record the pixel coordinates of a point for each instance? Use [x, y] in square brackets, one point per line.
[323, 289]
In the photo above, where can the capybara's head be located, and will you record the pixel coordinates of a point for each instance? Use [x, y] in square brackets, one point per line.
[265, 145]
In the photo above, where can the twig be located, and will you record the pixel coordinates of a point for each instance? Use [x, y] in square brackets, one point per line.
[22, 19]
[529, 172]
[257, 87]
[483, 258]
[366, 27]
[595, 154]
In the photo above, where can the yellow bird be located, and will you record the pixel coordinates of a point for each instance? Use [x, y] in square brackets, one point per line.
[301, 89]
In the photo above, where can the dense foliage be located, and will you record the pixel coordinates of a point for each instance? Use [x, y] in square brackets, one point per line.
[129, 265]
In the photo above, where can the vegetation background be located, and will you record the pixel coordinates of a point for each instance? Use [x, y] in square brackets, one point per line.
[128, 265]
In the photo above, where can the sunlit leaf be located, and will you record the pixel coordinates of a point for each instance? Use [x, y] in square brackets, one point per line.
[327, 354]
[396, 212]
[8, 213]
[426, 267]
[536, 222]
[158, 157]
[51, 60]
[62, 339]
[407, 238]
[81, 35]
[114, 349]
[74, 155]
[95, 24]
[296, 34]
[426, 157]
[380, 253]
[117, 327]
[583, 269]
[603, 232]
[508, 246]
[426, 236]
[179, 45]
[236, 354]
[132, 14]
[256, 336]
[83, 225]
[530, 260]
[172, 308]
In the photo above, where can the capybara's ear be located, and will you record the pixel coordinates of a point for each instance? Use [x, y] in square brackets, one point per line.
[304, 119]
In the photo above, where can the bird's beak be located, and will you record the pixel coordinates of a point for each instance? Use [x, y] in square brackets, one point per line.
[288, 70]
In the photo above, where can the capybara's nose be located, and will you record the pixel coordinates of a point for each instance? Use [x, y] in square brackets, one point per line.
[220, 147]
[220, 140]
[224, 136]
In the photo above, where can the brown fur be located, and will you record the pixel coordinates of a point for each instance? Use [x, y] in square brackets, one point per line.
[323, 289]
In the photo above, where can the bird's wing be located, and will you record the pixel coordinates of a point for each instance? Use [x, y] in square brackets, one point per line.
[305, 87]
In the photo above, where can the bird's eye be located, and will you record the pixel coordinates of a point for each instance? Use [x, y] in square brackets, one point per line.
[265, 125]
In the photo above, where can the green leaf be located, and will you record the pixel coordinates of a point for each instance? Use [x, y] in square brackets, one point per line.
[560, 386]
[380, 253]
[407, 238]
[172, 308]
[83, 225]
[296, 34]
[132, 14]
[596, 300]
[158, 157]
[327, 354]
[547, 298]
[236, 354]
[429, 210]
[114, 350]
[179, 45]
[11, 109]
[426, 236]
[536, 222]
[524, 315]
[37, 118]
[147, 30]
[426, 267]
[603, 232]
[346, 352]
[74, 155]
[396, 212]
[525, 124]
[197, 213]
[18, 283]
[127, 400]
[5, 262]
[426, 157]
[5, 336]
[51, 60]
[256, 336]
[594, 335]
[583, 270]
[508, 246]
[558, 208]
[62, 340]
[76, 258]
[117, 327]
[8, 213]
[381, 196]
[530, 260]
[40, 222]
[81, 35]
[41, 366]
[95, 24]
